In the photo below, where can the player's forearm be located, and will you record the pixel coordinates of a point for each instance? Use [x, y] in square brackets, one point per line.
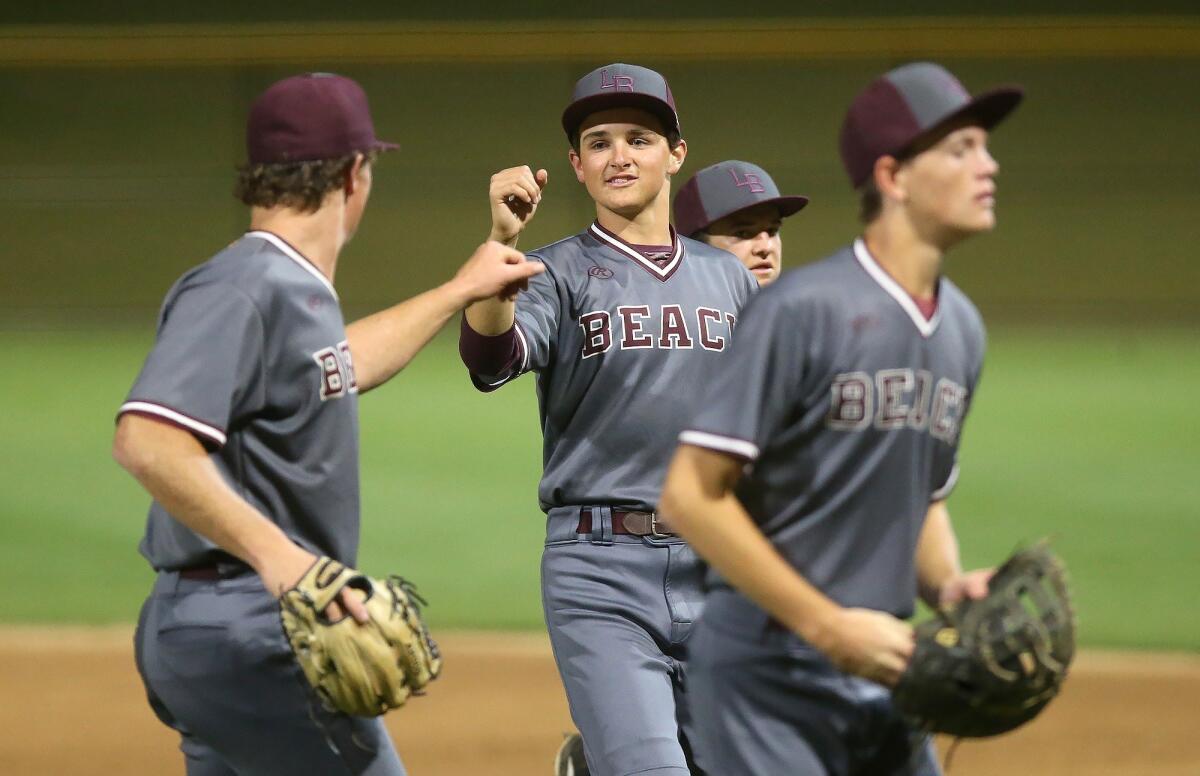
[937, 559]
[491, 317]
[704, 510]
[175, 469]
[384, 343]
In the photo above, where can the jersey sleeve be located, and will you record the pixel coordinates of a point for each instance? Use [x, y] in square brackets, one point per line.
[755, 386]
[539, 309]
[530, 344]
[205, 371]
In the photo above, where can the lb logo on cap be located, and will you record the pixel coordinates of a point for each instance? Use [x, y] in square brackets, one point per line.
[618, 83]
[751, 181]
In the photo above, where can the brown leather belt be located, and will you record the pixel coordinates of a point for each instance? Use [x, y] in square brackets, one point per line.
[223, 567]
[204, 573]
[630, 524]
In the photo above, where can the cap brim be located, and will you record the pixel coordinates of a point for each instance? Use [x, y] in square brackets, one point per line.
[577, 111]
[987, 109]
[790, 205]
[382, 146]
[994, 105]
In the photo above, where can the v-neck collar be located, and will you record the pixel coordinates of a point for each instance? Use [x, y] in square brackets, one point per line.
[663, 273]
[927, 326]
[294, 255]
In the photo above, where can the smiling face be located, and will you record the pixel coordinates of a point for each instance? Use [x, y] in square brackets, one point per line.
[948, 187]
[752, 235]
[625, 161]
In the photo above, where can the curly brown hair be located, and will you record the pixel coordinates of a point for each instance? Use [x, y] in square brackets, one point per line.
[298, 185]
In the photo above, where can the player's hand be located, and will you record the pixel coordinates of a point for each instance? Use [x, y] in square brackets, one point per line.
[972, 585]
[495, 271]
[291, 563]
[514, 195]
[867, 643]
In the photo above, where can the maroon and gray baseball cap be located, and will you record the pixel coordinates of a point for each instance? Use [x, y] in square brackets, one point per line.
[309, 117]
[620, 86]
[725, 188]
[904, 104]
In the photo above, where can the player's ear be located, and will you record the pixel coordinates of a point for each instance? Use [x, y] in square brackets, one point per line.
[678, 154]
[576, 164]
[889, 178]
[354, 171]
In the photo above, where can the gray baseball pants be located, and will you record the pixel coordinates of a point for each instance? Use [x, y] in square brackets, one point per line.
[218, 669]
[619, 610]
[766, 703]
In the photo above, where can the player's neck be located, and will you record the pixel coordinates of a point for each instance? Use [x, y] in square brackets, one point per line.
[914, 263]
[650, 226]
[317, 236]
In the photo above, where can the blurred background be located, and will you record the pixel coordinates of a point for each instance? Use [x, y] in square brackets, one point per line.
[122, 124]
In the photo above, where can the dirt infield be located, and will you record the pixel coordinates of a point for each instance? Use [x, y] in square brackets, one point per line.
[72, 704]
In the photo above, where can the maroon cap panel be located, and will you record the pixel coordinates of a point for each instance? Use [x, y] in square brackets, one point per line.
[897, 108]
[690, 216]
[879, 122]
[310, 117]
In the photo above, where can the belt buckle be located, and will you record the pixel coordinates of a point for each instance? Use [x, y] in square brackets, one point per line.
[654, 532]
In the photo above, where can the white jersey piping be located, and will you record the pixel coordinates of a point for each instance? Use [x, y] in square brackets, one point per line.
[944, 491]
[661, 272]
[724, 444]
[295, 256]
[926, 326]
[205, 430]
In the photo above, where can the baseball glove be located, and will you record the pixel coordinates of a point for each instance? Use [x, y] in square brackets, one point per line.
[987, 666]
[365, 669]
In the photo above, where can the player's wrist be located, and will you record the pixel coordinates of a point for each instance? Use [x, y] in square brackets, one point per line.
[820, 627]
[504, 237]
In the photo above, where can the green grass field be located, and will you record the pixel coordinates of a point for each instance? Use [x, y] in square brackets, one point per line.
[1086, 434]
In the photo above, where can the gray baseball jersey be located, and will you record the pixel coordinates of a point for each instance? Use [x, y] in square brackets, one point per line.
[848, 403]
[620, 342]
[252, 358]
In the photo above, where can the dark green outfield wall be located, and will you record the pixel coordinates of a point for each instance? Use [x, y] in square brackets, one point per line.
[143, 11]
[113, 181]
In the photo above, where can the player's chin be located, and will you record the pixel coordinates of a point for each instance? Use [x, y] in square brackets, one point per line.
[982, 220]
[625, 203]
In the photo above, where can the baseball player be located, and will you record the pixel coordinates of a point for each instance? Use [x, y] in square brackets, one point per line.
[735, 206]
[814, 476]
[243, 427]
[628, 317]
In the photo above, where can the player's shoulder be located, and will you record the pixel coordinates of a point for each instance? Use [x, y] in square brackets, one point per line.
[255, 270]
[563, 251]
[956, 300]
[713, 257]
[702, 250]
[957, 307]
[823, 281]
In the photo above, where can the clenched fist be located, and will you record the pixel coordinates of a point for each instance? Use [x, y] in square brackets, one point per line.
[514, 194]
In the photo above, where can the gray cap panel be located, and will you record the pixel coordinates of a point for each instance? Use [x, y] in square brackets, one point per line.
[930, 92]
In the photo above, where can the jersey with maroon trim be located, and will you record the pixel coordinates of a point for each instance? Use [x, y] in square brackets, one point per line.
[620, 344]
[848, 403]
[251, 357]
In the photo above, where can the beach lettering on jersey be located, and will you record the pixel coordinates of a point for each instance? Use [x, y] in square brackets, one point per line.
[337, 371]
[897, 398]
[636, 327]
